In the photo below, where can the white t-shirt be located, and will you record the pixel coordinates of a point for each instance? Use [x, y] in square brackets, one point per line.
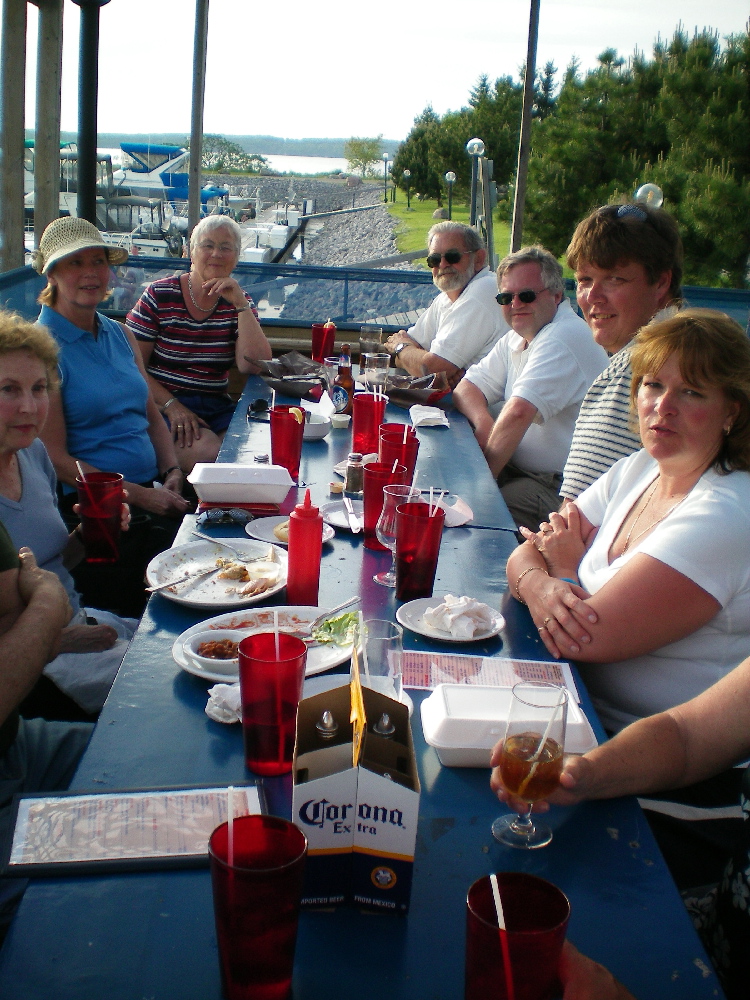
[707, 539]
[553, 374]
[463, 331]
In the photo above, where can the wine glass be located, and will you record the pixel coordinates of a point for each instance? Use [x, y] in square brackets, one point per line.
[532, 759]
[385, 529]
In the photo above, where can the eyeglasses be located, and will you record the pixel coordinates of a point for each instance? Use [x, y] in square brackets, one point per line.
[451, 257]
[527, 295]
[223, 248]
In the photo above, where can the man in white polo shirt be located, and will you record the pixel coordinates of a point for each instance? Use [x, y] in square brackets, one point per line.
[540, 371]
[463, 323]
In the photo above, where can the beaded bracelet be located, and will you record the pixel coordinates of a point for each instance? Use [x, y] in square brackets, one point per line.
[172, 399]
[529, 569]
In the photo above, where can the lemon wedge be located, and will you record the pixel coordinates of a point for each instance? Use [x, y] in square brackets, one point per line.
[298, 413]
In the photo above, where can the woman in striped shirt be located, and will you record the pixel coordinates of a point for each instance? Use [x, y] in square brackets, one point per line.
[191, 328]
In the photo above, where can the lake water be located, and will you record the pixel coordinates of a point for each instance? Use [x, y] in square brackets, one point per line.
[284, 164]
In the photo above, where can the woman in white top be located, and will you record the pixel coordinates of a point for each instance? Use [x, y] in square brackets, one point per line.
[645, 578]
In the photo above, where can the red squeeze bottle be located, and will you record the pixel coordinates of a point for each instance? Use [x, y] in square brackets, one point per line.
[305, 544]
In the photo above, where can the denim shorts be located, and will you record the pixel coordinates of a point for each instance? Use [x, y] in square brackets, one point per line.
[217, 410]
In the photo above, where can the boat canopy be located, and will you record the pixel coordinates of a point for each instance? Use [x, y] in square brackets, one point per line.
[148, 156]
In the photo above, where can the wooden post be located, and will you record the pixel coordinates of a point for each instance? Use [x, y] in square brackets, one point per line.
[524, 144]
[12, 82]
[47, 134]
[196, 125]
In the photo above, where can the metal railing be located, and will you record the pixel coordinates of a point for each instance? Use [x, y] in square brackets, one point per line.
[296, 295]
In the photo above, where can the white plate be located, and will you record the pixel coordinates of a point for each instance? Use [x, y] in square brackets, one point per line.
[410, 616]
[319, 658]
[209, 591]
[262, 529]
[335, 514]
[340, 468]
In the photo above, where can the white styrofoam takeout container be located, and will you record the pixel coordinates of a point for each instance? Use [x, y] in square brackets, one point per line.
[463, 722]
[224, 482]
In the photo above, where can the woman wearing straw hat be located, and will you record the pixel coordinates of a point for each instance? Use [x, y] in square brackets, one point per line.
[104, 417]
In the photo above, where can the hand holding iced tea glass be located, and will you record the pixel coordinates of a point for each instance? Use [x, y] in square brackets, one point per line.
[532, 759]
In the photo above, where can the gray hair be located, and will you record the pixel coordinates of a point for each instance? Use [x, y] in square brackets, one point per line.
[471, 238]
[212, 222]
[551, 268]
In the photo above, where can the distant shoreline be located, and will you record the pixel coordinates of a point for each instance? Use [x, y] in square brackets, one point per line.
[270, 144]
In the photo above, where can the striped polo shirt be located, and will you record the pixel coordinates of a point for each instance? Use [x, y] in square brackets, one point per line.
[604, 431]
[189, 355]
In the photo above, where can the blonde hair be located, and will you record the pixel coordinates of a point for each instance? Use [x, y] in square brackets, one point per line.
[711, 349]
[17, 334]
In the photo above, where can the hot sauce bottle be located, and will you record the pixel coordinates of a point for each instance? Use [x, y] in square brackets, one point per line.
[305, 544]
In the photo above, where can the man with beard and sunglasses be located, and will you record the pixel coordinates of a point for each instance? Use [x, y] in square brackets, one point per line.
[463, 323]
[539, 372]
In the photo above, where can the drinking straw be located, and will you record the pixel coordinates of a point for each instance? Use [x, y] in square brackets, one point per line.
[82, 476]
[538, 752]
[437, 502]
[406, 432]
[431, 494]
[503, 932]
[230, 826]
[276, 631]
[273, 398]
[395, 466]
[363, 636]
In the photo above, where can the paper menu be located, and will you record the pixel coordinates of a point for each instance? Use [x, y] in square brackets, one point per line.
[106, 827]
[425, 671]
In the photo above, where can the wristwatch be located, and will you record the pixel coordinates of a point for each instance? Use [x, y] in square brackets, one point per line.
[399, 348]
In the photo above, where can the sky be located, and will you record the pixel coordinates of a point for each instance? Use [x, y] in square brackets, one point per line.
[334, 69]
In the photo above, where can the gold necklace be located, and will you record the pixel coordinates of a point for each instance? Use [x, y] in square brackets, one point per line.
[653, 524]
[192, 298]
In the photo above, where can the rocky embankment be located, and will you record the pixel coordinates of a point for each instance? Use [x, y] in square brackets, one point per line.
[340, 241]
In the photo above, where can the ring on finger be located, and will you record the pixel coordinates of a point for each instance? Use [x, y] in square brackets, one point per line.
[546, 622]
[542, 628]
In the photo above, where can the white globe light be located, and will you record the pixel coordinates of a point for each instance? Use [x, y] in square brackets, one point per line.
[650, 194]
[450, 177]
[475, 147]
[407, 174]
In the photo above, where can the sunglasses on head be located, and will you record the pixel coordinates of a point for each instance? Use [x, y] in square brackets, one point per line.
[505, 298]
[451, 257]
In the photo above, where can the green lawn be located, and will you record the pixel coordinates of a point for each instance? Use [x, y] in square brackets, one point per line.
[411, 233]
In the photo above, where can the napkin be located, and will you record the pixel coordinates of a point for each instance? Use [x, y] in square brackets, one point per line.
[461, 616]
[456, 513]
[428, 416]
[224, 703]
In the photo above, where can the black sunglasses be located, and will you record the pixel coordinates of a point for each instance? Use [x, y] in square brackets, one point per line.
[505, 298]
[451, 257]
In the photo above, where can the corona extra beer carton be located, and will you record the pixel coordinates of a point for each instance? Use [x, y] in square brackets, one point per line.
[356, 797]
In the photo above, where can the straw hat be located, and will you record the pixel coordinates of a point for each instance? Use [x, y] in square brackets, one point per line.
[67, 236]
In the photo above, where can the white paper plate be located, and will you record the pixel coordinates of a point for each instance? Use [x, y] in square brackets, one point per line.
[411, 616]
[262, 529]
[209, 591]
[335, 514]
[319, 658]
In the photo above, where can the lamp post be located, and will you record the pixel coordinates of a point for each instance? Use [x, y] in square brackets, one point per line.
[407, 175]
[450, 180]
[385, 178]
[475, 149]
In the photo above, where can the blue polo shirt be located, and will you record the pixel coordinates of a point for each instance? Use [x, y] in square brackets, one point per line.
[104, 398]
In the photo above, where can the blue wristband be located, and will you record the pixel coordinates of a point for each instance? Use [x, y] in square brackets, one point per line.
[566, 579]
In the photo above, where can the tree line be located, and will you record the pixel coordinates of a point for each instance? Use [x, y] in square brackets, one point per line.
[680, 119]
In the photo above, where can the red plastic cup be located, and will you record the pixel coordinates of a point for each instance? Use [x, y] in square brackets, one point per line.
[378, 475]
[391, 428]
[100, 499]
[536, 918]
[394, 448]
[368, 410]
[270, 689]
[256, 904]
[322, 341]
[418, 534]
[286, 439]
